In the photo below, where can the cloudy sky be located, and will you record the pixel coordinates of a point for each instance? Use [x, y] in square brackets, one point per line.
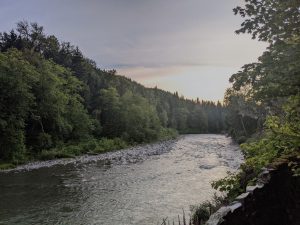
[187, 46]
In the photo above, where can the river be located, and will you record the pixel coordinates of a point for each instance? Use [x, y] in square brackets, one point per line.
[138, 186]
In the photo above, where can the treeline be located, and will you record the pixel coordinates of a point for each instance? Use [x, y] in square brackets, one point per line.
[52, 96]
[264, 100]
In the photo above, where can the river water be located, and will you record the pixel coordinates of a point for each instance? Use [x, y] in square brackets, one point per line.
[136, 186]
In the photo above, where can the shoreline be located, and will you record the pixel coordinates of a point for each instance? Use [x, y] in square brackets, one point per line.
[153, 147]
[91, 156]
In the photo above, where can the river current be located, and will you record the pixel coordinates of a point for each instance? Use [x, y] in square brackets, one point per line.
[138, 186]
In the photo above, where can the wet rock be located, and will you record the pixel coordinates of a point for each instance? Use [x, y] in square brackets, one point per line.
[206, 167]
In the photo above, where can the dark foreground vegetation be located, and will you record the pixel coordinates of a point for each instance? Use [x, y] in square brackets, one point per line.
[264, 101]
[54, 102]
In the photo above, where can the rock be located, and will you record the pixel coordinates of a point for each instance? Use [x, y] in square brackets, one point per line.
[242, 196]
[252, 188]
[217, 217]
[234, 205]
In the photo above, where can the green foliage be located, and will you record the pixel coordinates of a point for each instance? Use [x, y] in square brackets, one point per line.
[105, 145]
[110, 112]
[230, 185]
[275, 75]
[39, 103]
[260, 89]
[270, 20]
[17, 77]
[167, 133]
[6, 166]
[282, 136]
[44, 140]
[197, 120]
[139, 118]
[59, 110]
[226, 184]
[91, 146]
[264, 101]
[201, 213]
[51, 96]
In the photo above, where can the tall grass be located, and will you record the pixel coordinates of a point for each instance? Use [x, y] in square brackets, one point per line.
[199, 213]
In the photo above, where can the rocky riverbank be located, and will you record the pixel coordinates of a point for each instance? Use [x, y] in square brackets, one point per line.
[128, 155]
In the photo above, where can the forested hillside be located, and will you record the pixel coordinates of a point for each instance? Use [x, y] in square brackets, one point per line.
[54, 102]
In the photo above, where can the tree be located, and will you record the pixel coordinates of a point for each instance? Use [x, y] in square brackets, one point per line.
[110, 112]
[265, 86]
[266, 94]
[197, 120]
[141, 122]
[52, 95]
[17, 78]
[270, 20]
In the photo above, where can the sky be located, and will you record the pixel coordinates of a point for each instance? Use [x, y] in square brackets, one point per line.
[187, 46]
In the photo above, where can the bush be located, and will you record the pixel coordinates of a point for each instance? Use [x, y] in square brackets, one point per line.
[89, 146]
[281, 138]
[104, 145]
[44, 141]
[167, 133]
[54, 154]
[6, 166]
[201, 213]
[241, 139]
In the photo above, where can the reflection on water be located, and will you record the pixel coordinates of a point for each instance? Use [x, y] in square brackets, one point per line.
[136, 186]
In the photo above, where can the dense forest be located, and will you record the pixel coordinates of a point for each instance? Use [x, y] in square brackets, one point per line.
[54, 102]
[264, 100]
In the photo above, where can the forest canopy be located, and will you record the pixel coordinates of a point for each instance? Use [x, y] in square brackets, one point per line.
[53, 98]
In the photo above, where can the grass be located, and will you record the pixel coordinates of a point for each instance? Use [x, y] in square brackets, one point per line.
[6, 166]
[92, 146]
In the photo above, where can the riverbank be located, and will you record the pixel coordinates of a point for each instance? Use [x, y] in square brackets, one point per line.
[111, 154]
[73, 150]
